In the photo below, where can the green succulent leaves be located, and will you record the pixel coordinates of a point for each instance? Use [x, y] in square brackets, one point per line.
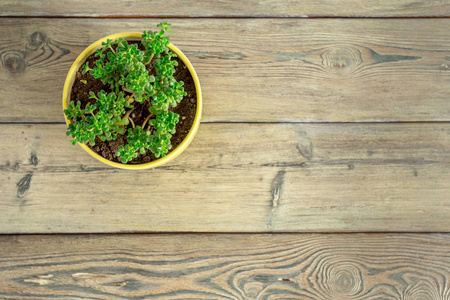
[98, 119]
[159, 143]
[123, 66]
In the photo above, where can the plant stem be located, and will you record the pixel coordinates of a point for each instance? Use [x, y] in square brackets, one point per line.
[128, 91]
[146, 119]
[150, 59]
[129, 112]
[131, 120]
[125, 117]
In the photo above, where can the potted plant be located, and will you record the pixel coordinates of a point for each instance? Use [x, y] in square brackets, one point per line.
[133, 100]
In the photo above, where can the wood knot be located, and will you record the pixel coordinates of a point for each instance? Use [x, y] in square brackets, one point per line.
[341, 60]
[343, 280]
[423, 289]
[23, 186]
[33, 159]
[276, 189]
[37, 40]
[304, 145]
[253, 289]
[14, 62]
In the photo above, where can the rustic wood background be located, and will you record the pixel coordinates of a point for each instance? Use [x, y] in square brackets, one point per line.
[321, 169]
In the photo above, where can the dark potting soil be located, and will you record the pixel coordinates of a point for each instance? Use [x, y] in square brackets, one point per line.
[186, 109]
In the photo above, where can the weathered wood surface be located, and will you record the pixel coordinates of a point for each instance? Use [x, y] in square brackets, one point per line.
[235, 178]
[322, 267]
[226, 8]
[279, 70]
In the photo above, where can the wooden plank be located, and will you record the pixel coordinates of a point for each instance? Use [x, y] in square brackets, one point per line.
[225, 8]
[257, 70]
[235, 178]
[309, 266]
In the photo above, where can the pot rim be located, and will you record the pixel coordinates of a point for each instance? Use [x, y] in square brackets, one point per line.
[134, 36]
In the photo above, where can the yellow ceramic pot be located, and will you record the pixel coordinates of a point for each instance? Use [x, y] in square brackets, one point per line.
[132, 36]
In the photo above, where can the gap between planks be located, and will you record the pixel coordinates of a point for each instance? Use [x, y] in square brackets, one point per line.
[253, 122]
[219, 8]
[220, 233]
[226, 17]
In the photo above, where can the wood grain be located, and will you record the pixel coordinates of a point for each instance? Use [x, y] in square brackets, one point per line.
[234, 178]
[225, 8]
[256, 70]
[309, 266]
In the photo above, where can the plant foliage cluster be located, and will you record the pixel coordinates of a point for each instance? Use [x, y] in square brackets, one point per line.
[123, 66]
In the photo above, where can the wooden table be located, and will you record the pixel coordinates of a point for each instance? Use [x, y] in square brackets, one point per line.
[321, 169]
